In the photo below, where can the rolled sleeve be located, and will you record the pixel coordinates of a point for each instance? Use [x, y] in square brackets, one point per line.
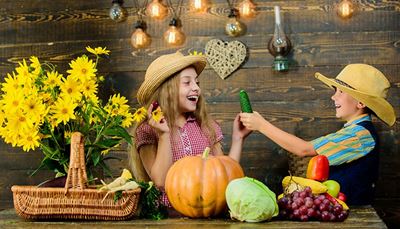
[145, 135]
[218, 132]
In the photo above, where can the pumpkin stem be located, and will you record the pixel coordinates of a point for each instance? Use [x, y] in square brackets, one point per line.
[206, 152]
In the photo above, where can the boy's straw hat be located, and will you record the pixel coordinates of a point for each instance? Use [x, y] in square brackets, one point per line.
[165, 66]
[367, 85]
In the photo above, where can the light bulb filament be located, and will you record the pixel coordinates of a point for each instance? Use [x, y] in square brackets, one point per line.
[345, 9]
[247, 9]
[157, 10]
[198, 4]
[172, 37]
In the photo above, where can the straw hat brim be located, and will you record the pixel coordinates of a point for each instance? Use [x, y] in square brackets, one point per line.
[378, 105]
[154, 79]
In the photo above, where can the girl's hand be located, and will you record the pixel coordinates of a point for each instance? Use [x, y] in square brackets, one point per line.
[161, 126]
[239, 131]
[252, 121]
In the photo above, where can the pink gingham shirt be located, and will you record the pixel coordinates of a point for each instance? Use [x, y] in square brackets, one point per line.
[188, 140]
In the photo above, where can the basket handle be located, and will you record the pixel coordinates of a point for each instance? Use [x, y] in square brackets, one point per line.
[77, 177]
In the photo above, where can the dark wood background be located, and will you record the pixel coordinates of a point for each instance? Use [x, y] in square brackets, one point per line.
[59, 30]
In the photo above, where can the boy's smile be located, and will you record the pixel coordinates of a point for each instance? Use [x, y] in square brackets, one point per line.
[346, 106]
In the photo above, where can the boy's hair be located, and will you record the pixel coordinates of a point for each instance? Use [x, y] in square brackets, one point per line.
[167, 96]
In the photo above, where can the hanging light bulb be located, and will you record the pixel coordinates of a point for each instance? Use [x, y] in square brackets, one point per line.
[174, 35]
[199, 6]
[247, 9]
[140, 39]
[234, 27]
[345, 9]
[157, 10]
[279, 45]
[117, 13]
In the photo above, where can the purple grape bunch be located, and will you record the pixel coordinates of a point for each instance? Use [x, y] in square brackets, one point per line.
[305, 206]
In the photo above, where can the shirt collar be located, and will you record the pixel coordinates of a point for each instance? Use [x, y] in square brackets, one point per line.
[358, 119]
[191, 118]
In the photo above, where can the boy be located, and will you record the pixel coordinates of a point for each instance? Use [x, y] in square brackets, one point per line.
[360, 90]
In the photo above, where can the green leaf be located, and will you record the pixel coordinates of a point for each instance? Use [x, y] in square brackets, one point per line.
[106, 169]
[117, 196]
[108, 143]
[96, 156]
[100, 116]
[150, 201]
[47, 151]
[120, 132]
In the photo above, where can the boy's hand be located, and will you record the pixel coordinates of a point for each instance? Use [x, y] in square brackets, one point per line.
[252, 121]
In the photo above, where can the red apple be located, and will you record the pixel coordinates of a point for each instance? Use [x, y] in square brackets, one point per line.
[342, 197]
[333, 187]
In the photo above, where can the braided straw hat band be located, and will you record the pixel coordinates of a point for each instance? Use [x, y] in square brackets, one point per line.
[164, 67]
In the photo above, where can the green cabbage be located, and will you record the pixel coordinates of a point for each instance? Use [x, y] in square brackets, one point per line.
[250, 200]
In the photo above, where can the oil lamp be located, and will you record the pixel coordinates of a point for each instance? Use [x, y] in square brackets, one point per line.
[279, 46]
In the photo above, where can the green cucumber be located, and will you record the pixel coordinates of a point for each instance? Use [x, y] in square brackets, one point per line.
[245, 102]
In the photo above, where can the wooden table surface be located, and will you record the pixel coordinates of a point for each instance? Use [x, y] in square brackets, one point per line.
[360, 217]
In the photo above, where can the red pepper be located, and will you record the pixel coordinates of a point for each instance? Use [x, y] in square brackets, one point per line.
[318, 168]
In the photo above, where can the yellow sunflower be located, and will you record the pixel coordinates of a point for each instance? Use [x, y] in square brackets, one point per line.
[82, 69]
[23, 72]
[71, 88]
[12, 83]
[2, 118]
[127, 120]
[29, 140]
[35, 64]
[157, 114]
[12, 101]
[18, 122]
[98, 50]
[89, 89]
[63, 110]
[35, 108]
[140, 114]
[120, 102]
[53, 79]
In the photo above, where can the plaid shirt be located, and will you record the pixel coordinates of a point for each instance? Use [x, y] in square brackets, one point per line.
[348, 144]
[188, 140]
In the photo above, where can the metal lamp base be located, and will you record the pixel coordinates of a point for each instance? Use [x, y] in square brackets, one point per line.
[281, 64]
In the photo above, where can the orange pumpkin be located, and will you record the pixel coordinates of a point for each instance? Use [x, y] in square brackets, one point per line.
[195, 185]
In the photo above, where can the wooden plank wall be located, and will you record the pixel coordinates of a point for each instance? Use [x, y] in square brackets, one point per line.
[58, 31]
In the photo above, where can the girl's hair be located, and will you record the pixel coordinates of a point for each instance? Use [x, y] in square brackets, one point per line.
[167, 96]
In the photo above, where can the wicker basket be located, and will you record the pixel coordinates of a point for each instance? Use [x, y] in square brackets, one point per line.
[298, 165]
[76, 200]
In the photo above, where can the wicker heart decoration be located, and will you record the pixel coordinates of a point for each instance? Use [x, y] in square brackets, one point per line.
[225, 57]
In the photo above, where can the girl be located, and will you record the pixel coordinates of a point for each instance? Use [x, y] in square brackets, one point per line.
[186, 128]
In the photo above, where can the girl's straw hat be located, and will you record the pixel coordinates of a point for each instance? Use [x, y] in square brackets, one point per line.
[367, 85]
[165, 66]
